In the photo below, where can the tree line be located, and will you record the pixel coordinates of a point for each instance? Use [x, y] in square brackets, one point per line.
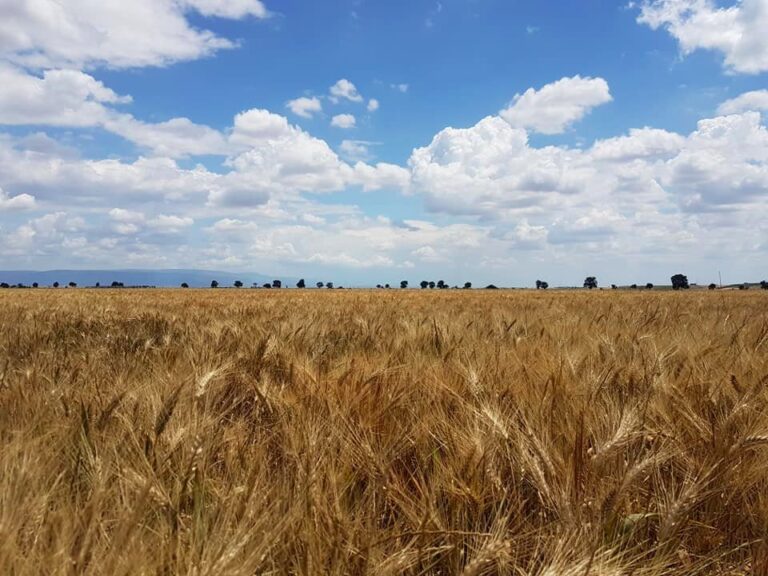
[678, 282]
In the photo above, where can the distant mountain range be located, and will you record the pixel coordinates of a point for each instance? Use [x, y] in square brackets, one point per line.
[159, 278]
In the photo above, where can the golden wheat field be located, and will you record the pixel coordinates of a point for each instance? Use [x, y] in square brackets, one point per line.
[242, 432]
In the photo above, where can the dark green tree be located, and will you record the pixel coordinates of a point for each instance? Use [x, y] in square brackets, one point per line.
[680, 282]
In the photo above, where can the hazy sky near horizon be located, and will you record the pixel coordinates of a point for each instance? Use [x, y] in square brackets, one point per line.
[367, 141]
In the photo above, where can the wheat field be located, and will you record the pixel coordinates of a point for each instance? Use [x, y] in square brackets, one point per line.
[241, 432]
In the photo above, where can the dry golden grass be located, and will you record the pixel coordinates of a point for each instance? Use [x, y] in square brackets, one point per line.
[355, 432]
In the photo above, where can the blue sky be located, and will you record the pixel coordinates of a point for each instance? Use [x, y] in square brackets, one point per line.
[368, 141]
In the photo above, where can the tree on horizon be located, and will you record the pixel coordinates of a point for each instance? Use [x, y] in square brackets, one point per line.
[680, 282]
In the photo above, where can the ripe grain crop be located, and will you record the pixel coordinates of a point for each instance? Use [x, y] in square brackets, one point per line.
[240, 432]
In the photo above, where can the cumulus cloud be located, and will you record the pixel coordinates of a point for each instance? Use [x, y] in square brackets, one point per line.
[756, 100]
[305, 107]
[724, 164]
[56, 98]
[266, 157]
[80, 33]
[736, 31]
[554, 107]
[14, 203]
[649, 190]
[69, 98]
[175, 138]
[234, 9]
[355, 149]
[344, 121]
[345, 90]
[382, 175]
[639, 144]
[373, 105]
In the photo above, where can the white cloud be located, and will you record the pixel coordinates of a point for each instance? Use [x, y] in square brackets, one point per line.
[344, 121]
[356, 150]
[79, 33]
[131, 222]
[755, 101]
[266, 157]
[305, 107]
[235, 9]
[175, 138]
[14, 203]
[554, 107]
[382, 175]
[344, 89]
[650, 191]
[256, 125]
[58, 98]
[724, 164]
[169, 224]
[402, 88]
[641, 143]
[373, 105]
[736, 31]
[69, 98]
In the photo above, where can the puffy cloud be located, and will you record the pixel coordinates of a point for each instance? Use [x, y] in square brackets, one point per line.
[256, 125]
[174, 138]
[736, 31]
[489, 166]
[68, 181]
[641, 143]
[265, 157]
[344, 121]
[554, 107]
[69, 98]
[13, 203]
[356, 150]
[382, 175]
[649, 191]
[756, 100]
[79, 33]
[345, 90]
[351, 242]
[305, 107]
[373, 105]
[57, 98]
[402, 88]
[723, 164]
[234, 9]
[169, 224]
